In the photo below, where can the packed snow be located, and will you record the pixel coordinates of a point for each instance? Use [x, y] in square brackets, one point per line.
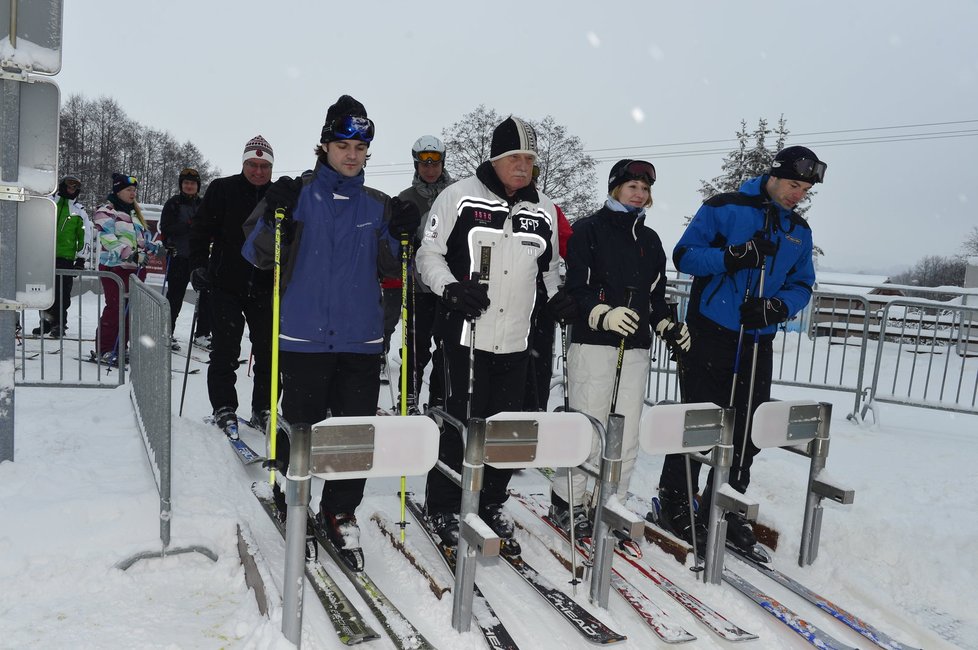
[80, 498]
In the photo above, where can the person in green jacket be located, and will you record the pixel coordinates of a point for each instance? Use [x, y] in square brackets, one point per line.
[70, 240]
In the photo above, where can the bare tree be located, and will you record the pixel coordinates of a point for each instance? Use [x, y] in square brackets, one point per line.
[97, 138]
[567, 174]
[970, 245]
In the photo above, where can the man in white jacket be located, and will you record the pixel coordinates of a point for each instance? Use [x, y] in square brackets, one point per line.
[487, 239]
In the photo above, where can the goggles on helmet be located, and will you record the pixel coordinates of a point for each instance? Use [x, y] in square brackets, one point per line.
[349, 127]
[72, 183]
[429, 157]
[808, 170]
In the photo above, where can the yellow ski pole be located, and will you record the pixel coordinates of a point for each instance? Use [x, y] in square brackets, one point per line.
[273, 413]
[405, 256]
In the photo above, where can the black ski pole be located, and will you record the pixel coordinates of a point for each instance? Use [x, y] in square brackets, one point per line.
[629, 294]
[186, 368]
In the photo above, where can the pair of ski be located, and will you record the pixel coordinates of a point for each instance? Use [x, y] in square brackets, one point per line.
[811, 633]
[653, 615]
[350, 625]
[244, 452]
[496, 634]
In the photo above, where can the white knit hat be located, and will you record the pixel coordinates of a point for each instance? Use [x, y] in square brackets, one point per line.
[258, 148]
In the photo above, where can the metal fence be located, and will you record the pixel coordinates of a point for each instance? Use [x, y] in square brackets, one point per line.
[880, 348]
[64, 361]
[150, 394]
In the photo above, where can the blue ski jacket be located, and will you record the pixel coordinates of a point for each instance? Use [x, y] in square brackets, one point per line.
[734, 218]
[340, 246]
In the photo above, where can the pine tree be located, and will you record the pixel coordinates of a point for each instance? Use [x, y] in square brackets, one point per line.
[750, 159]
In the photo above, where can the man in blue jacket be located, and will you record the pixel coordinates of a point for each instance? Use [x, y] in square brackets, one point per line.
[339, 238]
[735, 239]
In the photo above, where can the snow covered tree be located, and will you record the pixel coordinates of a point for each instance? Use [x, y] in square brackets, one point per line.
[751, 158]
[567, 174]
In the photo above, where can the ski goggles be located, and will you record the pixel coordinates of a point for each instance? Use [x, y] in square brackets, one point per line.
[429, 157]
[72, 184]
[802, 169]
[349, 127]
[189, 171]
[636, 170]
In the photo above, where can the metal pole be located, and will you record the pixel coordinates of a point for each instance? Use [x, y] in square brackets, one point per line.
[465, 559]
[9, 163]
[297, 491]
[812, 526]
[604, 546]
[717, 530]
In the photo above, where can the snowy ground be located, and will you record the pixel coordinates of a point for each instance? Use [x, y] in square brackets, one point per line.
[80, 498]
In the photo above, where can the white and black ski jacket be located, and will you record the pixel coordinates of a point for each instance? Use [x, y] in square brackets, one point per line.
[473, 228]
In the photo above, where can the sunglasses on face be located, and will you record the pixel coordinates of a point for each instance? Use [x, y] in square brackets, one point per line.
[255, 165]
[429, 157]
[353, 128]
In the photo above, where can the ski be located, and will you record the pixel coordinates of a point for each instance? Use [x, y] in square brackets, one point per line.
[803, 628]
[876, 636]
[245, 453]
[760, 560]
[496, 634]
[400, 630]
[349, 623]
[438, 587]
[712, 619]
[588, 625]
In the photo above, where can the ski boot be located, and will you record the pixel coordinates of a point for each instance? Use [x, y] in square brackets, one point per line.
[226, 420]
[344, 534]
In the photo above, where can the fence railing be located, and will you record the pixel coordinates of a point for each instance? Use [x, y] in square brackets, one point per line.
[879, 348]
[64, 361]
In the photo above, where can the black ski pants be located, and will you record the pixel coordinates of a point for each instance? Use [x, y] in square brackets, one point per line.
[177, 277]
[57, 314]
[499, 385]
[706, 375]
[315, 385]
[229, 312]
[422, 308]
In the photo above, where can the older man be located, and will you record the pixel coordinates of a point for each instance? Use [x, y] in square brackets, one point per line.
[487, 240]
[237, 291]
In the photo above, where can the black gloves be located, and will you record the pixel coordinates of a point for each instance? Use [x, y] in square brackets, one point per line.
[405, 219]
[756, 313]
[201, 279]
[749, 255]
[283, 193]
[562, 307]
[675, 335]
[171, 250]
[79, 263]
[468, 296]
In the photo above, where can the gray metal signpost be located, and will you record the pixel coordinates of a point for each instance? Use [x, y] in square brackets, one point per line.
[30, 42]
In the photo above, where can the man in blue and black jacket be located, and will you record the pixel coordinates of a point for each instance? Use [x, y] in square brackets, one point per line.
[734, 240]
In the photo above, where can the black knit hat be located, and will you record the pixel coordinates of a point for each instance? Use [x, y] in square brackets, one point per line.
[345, 106]
[798, 164]
[512, 136]
[122, 181]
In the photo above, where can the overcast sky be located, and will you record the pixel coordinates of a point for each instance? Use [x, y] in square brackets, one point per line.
[643, 81]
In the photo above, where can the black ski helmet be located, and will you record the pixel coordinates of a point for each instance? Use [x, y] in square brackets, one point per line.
[63, 187]
[188, 174]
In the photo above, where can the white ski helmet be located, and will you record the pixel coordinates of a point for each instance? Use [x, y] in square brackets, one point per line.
[427, 143]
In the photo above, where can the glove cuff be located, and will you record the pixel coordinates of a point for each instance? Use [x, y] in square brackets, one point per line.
[595, 319]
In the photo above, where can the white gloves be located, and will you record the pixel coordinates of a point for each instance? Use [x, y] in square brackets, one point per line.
[676, 335]
[620, 320]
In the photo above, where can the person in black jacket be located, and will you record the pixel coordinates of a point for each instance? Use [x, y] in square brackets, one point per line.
[237, 291]
[175, 221]
[616, 273]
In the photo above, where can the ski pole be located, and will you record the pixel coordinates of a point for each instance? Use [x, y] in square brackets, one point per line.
[475, 276]
[405, 255]
[629, 294]
[276, 298]
[186, 369]
[570, 480]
